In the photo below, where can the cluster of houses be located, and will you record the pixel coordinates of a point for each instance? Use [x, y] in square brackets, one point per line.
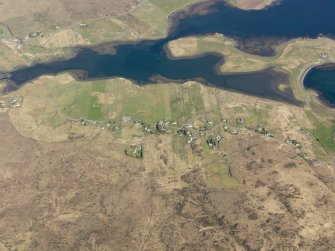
[190, 132]
[213, 141]
[293, 142]
[324, 55]
[261, 130]
[113, 126]
[187, 130]
[233, 130]
[162, 126]
[41, 34]
[297, 145]
[11, 103]
[34, 34]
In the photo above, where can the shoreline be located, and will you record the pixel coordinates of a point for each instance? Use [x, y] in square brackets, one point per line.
[324, 102]
[260, 6]
[304, 73]
[111, 47]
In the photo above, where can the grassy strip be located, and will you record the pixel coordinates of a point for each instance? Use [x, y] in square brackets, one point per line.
[322, 132]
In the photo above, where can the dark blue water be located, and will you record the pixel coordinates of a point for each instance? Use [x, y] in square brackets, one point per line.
[289, 19]
[322, 79]
[140, 64]
[147, 61]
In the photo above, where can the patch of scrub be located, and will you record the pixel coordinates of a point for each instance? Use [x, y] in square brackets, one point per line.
[219, 174]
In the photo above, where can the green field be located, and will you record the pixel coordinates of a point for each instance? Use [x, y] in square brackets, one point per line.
[322, 132]
[113, 99]
[172, 5]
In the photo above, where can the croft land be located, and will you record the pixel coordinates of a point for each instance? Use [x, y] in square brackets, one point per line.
[219, 170]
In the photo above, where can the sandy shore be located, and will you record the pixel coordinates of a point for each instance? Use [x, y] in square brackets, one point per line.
[253, 4]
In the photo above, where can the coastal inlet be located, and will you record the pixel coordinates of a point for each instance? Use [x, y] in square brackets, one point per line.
[146, 62]
[322, 80]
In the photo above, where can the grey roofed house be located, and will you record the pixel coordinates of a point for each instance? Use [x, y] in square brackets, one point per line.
[233, 131]
[270, 134]
[260, 129]
[13, 101]
[160, 126]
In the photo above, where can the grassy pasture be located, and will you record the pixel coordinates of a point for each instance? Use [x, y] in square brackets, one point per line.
[323, 132]
[172, 5]
[113, 99]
